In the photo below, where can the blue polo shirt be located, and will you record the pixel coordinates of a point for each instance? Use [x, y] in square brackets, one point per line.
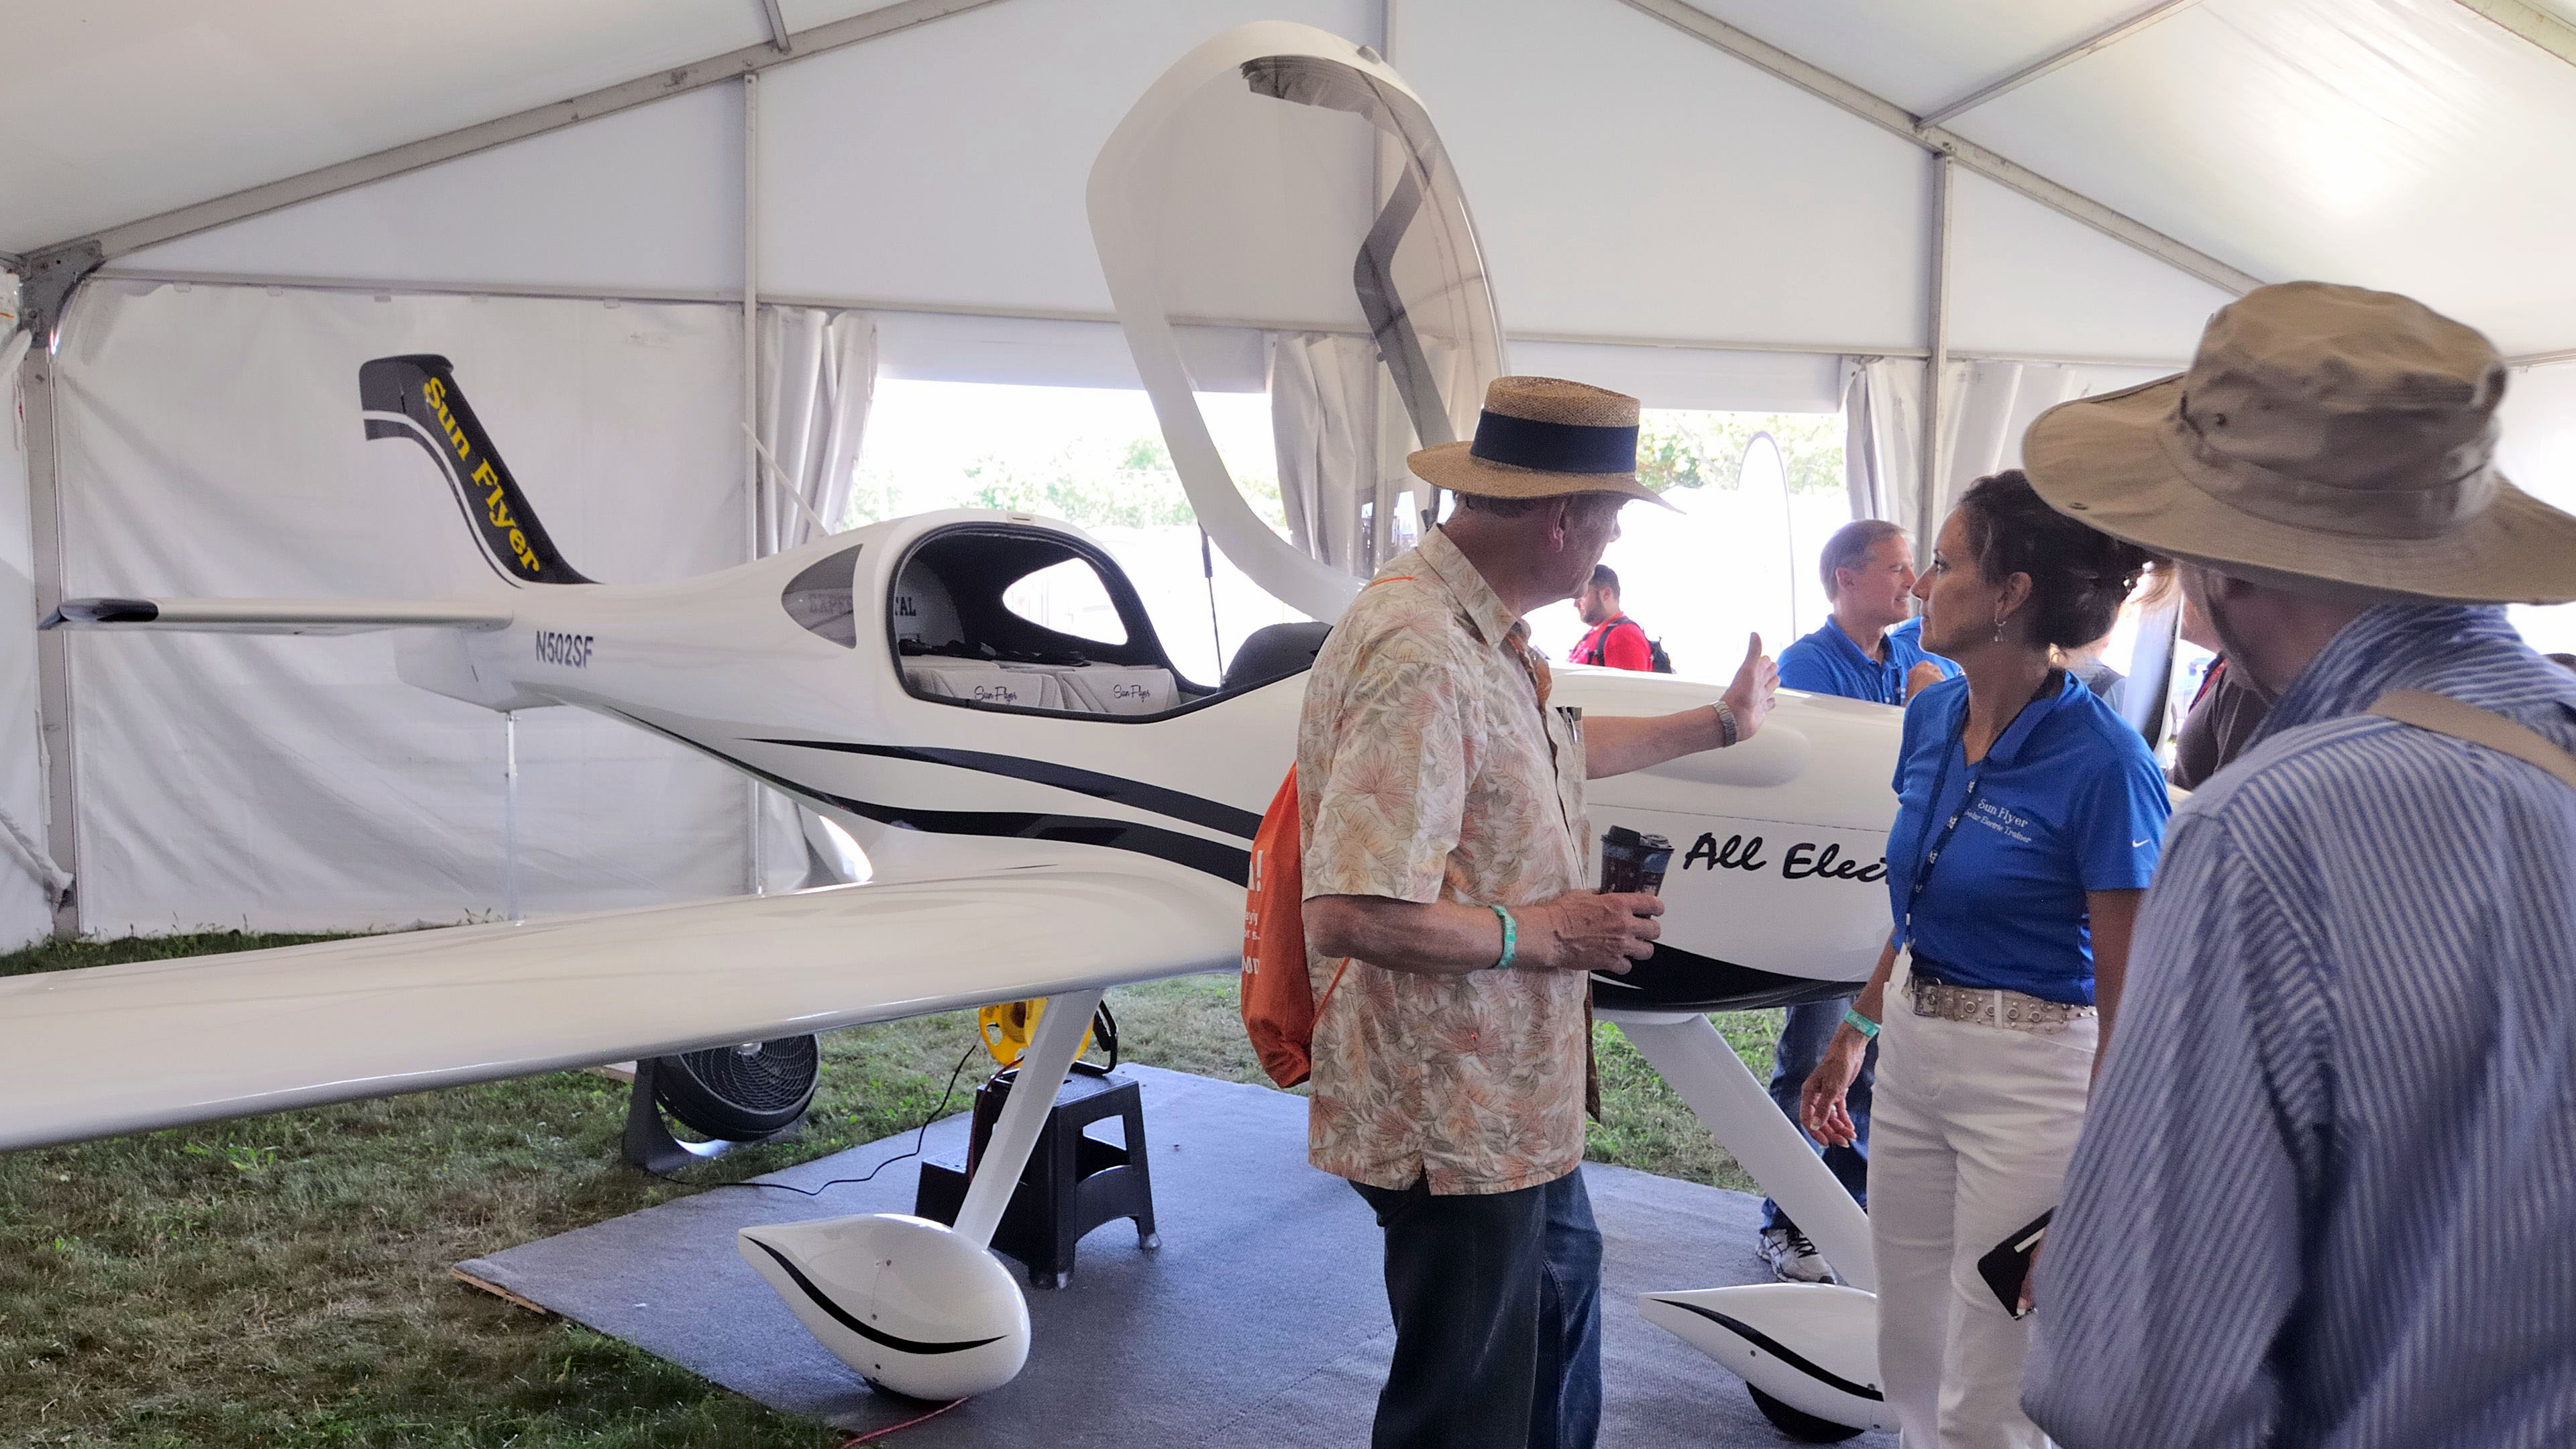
[2069, 800]
[1829, 662]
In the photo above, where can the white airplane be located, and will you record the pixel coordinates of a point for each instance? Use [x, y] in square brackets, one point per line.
[1049, 813]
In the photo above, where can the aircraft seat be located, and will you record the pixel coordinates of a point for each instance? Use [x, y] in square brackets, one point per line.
[979, 683]
[1275, 651]
[1111, 688]
[1119, 688]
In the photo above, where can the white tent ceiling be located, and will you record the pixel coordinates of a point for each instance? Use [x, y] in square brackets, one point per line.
[2415, 145]
[1755, 202]
[117, 112]
[2411, 144]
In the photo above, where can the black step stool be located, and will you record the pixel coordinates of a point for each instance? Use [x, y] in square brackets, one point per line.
[1073, 1182]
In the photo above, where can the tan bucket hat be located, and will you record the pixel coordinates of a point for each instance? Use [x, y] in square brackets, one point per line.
[1542, 437]
[2324, 434]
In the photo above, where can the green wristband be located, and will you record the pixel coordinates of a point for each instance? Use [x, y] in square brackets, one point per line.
[1859, 1023]
[1511, 937]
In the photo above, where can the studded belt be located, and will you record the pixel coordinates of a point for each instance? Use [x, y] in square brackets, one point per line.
[1989, 1006]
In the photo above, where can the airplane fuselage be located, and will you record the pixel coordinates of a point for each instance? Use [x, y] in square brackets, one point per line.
[1776, 875]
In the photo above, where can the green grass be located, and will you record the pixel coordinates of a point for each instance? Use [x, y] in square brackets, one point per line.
[70, 955]
[284, 1281]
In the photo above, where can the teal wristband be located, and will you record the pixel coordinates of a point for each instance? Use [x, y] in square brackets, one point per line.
[1859, 1023]
[1511, 937]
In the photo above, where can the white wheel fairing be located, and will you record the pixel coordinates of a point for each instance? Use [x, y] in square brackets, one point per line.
[1812, 1346]
[905, 1301]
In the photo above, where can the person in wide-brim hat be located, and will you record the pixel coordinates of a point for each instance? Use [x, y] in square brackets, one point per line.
[1542, 437]
[1435, 818]
[2324, 437]
[2330, 1150]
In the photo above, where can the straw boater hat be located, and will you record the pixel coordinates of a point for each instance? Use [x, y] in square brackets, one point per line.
[2324, 436]
[1543, 437]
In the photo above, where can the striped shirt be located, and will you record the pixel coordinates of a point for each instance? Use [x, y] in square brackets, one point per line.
[2327, 1192]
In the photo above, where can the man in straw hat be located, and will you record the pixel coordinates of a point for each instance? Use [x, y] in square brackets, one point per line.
[1441, 795]
[2327, 1192]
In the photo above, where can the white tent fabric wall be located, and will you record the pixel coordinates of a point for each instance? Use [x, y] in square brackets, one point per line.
[1342, 438]
[1322, 416]
[1708, 379]
[818, 375]
[1883, 437]
[25, 909]
[1987, 404]
[210, 445]
[2538, 452]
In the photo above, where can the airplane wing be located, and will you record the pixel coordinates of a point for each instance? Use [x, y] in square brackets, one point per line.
[274, 616]
[117, 1049]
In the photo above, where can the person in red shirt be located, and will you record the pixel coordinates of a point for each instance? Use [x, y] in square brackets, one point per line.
[1615, 639]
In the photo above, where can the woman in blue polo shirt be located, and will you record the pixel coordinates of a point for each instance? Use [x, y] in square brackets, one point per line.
[2028, 821]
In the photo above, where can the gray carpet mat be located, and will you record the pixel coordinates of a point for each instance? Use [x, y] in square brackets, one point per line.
[1260, 1321]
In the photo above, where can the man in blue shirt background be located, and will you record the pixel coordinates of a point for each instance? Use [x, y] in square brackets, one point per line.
[1870, 649]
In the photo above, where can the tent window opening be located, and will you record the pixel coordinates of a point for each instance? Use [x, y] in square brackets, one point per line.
[1093, 457]
[1757, 495]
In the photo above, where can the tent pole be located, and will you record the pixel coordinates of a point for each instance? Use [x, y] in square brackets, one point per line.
[2532, 23]
[754, 515]
[1888, 116]
[45, 297]
[779, 35]
[2099, 40]
[53, 663]
[116, 241]
[1927, 502]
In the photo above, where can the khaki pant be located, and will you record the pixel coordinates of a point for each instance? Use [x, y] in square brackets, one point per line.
[1973, 1128]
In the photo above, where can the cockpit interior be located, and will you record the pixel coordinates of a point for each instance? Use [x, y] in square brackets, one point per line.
[992, 616]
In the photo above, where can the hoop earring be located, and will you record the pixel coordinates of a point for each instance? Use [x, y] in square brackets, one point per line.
[1999, 627]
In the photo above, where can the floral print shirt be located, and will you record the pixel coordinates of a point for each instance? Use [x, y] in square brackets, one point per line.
[1430, 767]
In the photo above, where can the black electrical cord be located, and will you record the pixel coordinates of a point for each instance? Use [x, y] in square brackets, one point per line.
[1104, 1027]
[917, 1139]
[1104, 1030]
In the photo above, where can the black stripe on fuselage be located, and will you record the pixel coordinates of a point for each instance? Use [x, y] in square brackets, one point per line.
[1117, 789]
[850, 1321]
[1673, 979]
[1772, 1346]
[1215, 857]
[1227, 862]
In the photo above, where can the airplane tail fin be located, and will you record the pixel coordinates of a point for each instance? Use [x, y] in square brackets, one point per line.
[416, 397]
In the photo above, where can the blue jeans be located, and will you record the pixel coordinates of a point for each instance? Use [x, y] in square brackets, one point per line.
[1497, 1306]
[1803, 1039]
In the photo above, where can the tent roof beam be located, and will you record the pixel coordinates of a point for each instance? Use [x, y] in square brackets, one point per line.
[2531, 23]
[2099, 40]
[1896, 120]
[782, 48]
[781, 38]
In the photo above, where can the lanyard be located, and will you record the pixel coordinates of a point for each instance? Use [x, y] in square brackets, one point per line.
[1967, 801]
[1940, 778]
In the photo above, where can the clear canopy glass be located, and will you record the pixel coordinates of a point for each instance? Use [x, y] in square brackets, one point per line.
[1290, 187]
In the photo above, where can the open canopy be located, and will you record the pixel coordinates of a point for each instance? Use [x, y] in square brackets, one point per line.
[1284, 180]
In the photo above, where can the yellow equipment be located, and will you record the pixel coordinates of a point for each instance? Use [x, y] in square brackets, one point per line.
[1007, 1027]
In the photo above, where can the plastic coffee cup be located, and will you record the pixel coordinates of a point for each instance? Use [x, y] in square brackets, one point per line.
[1634, 862]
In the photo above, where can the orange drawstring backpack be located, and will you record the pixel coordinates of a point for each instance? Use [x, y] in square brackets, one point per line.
[1279, 1005]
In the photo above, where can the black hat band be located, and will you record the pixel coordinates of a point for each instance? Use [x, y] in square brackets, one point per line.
[1554, 447]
